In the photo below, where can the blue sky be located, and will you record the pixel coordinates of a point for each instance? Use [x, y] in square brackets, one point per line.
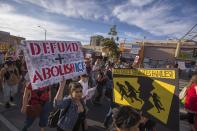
[80, 19]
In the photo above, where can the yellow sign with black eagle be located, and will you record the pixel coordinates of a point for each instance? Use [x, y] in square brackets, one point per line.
[152, 91]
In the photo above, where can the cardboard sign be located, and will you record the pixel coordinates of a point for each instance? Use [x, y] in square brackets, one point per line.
[153, 91]
[49, 61]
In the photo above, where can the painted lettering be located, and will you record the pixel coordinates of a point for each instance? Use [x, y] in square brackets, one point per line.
[36, 77]
[35, 49]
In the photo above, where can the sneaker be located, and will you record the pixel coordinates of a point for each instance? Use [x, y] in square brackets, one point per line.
[7, 105]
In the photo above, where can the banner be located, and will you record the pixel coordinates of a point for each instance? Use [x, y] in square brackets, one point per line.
[49, 61]
[152, 91]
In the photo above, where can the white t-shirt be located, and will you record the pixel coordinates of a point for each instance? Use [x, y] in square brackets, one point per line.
[85, 87]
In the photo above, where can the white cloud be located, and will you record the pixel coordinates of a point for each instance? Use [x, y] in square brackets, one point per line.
[26, 26]
[157, 19]
[87, 9]
[134, 36]
[140, 2]
[6, 8]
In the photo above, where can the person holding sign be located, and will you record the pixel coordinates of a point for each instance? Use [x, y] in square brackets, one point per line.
[74, 119]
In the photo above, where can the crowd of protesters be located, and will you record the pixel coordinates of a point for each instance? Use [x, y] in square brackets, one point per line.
[64, 106]
[72, 94]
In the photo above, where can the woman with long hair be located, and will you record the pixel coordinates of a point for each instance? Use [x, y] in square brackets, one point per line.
[75, 117]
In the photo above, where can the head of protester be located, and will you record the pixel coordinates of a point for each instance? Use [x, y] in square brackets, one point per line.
[72, 118]
[193, 79]
[75, 91]
[84, 78]
[126, 119]
[9, 61]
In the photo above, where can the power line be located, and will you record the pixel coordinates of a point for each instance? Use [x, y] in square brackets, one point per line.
[188, 32]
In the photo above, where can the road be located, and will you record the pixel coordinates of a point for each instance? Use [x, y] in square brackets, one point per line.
[12, 119]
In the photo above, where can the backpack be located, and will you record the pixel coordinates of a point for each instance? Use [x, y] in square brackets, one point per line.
[55, 115]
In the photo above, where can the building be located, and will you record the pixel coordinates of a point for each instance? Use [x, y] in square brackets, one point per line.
[8, 41]
[129, 51]
[96, 40]
[159, 53]
[4, 41]
[92, 51]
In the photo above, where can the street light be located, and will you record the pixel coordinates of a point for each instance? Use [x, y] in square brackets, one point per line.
[45, 31]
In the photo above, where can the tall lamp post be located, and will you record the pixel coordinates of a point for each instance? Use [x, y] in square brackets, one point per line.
[45, 31]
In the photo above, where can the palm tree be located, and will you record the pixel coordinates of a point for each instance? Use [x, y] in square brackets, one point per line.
[111, 47]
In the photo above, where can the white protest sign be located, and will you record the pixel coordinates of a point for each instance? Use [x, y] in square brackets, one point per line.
[49, 61]
[181, 65]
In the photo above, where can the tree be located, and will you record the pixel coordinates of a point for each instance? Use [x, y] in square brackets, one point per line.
[111, 46]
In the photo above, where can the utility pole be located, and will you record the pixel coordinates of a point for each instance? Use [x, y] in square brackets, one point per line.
[141, 54]
[45, 32]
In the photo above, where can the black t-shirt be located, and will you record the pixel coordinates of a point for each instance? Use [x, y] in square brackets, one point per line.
[109, 74]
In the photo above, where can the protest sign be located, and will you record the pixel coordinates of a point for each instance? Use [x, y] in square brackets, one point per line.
[181, 65]
[152, 91]
[49, 61]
